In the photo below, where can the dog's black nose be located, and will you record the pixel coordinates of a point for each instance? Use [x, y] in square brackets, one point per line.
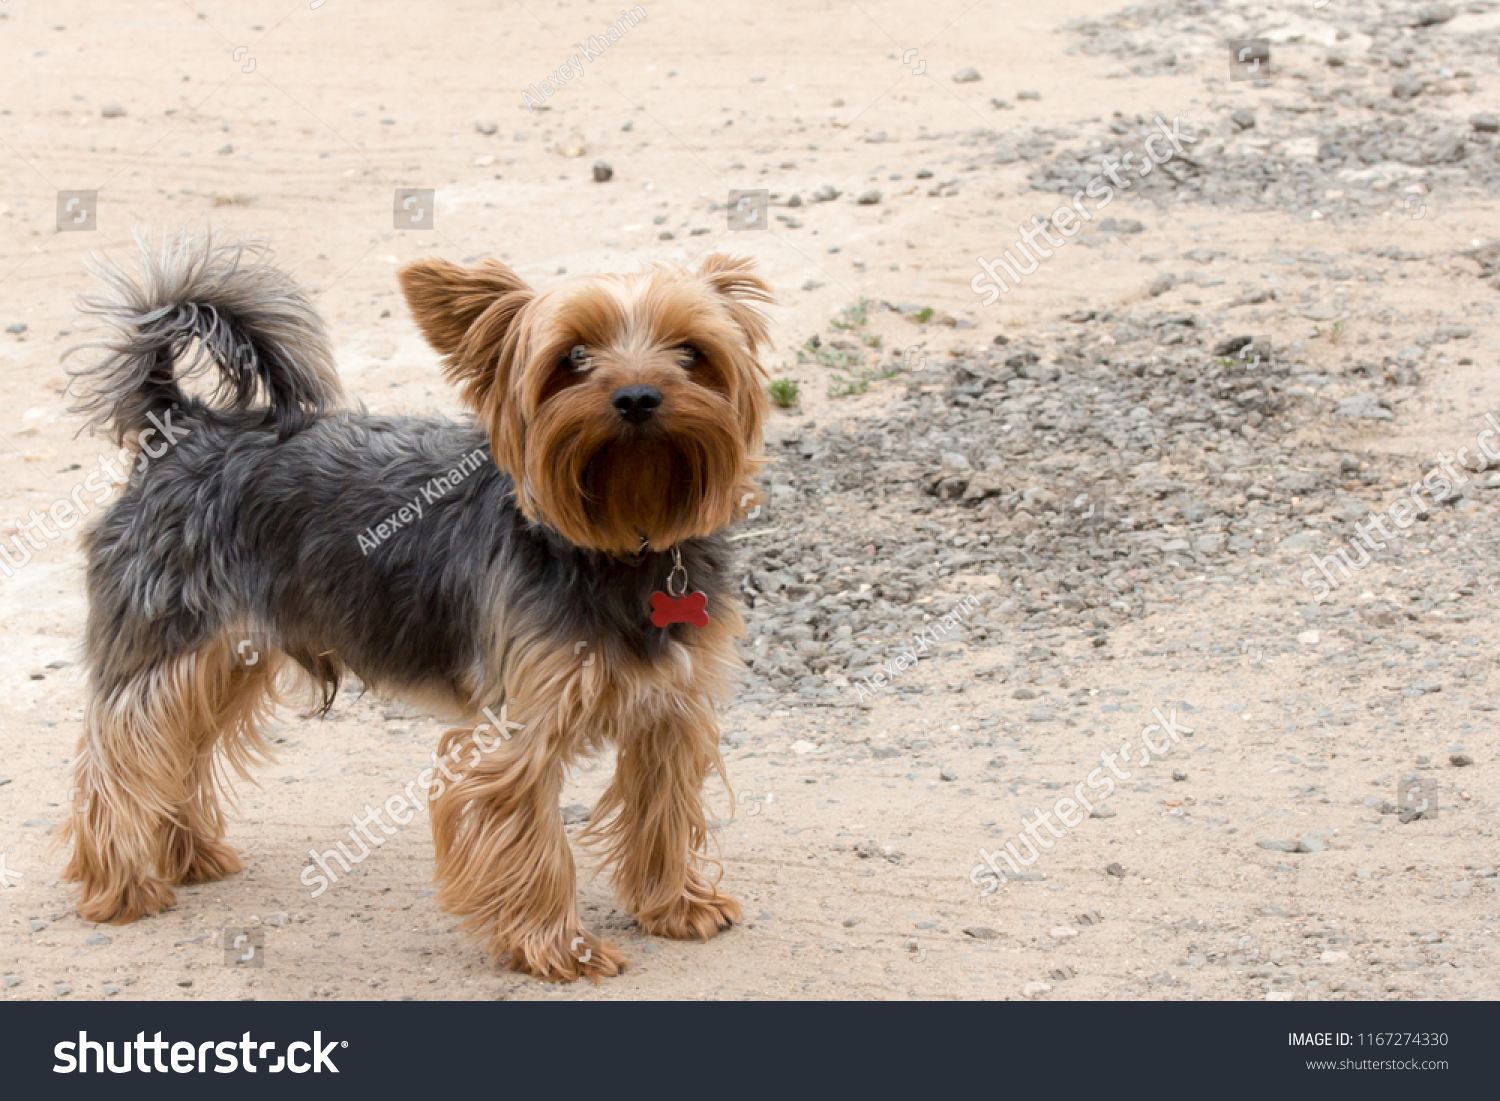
[637, 404]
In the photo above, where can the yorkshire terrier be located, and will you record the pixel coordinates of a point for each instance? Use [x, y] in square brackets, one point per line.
[619, 417]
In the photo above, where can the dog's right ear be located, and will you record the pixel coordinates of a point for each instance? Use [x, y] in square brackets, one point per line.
[465, 314]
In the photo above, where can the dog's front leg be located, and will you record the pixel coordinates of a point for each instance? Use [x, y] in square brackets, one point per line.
[652, 819]
[503, 862]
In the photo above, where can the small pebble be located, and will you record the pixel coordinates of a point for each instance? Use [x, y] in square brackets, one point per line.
[1277, 846]
[113, 111]
[966, 76]
[1430, 15]
[602, 172]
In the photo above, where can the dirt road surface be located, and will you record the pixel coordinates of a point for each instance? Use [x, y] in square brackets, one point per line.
[1123, 466]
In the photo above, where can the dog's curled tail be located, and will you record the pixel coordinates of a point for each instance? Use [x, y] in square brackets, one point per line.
[196, 306]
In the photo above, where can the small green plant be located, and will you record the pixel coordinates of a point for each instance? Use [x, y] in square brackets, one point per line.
[784, 392]
[814, 352]
[853, 317]
[1332, 334]
[850, 362]
[924, 315]
[860, 381]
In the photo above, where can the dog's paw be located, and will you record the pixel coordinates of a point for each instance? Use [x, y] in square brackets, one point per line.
[211, 861]
[188, 858]
[122, 905]
[584, 956]
[693, 918]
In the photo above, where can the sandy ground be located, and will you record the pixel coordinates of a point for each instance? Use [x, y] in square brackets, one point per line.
[853, 873]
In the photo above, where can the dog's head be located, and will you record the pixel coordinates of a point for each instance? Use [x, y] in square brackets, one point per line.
[624, 407]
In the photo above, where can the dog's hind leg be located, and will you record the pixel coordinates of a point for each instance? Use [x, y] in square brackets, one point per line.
[145, 814]
[235, 697]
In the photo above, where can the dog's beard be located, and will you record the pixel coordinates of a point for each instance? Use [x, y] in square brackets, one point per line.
[615, 489]
[643, 483]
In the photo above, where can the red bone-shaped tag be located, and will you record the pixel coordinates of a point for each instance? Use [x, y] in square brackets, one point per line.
[688, 608]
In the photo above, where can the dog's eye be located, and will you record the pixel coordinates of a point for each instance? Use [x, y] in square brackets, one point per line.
[578, 358]
[690, 356]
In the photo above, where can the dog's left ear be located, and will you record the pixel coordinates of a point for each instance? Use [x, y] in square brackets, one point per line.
[744, 292]
[466, 315]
